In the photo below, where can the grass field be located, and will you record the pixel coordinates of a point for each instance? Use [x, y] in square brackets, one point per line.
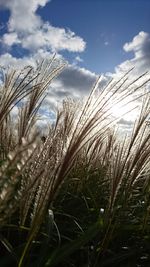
[80, 195]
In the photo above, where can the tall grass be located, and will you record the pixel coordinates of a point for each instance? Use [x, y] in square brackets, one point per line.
[80, 173]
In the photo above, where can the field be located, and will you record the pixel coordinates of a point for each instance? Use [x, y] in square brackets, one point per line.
[78, 196]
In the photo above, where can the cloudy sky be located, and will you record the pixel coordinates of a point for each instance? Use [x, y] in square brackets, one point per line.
[94, 36]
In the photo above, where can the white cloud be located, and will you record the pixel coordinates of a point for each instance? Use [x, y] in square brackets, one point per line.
[78, 59]
[53, 38]
[10, 39]
[140, 46]
[28, 29]
[23, 16]
[7, 60]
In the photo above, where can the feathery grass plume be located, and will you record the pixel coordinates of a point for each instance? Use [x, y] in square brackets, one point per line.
[74, 130]
[18, 85]
[7, 137]
[45, 73]
[127, 172]
[93, 121]
[11, 170]
[81, 148]
[123, 184]
[133, 155]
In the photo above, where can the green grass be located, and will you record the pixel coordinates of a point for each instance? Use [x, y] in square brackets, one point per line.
[80, 196]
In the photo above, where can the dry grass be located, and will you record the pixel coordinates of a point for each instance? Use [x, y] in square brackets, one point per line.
[32, 172]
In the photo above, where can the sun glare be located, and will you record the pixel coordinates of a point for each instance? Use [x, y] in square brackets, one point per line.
[124, 109]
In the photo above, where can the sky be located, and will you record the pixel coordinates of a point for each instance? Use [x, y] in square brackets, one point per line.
[105, 26]
[94, 36]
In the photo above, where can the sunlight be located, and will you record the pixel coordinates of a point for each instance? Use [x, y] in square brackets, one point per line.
[125, 110]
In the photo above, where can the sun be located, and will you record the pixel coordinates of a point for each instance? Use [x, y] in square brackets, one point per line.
[126, 109]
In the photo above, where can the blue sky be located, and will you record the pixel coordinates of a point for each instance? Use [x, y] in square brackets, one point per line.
[105, 25]
[95, 36]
